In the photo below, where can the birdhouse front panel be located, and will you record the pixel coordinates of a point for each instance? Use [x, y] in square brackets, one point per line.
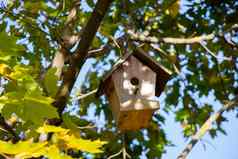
[134, 81]
[131, 95]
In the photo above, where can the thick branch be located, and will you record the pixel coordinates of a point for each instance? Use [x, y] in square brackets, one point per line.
[80, 55]
[148, 39]
[67, 40]
[206, 127]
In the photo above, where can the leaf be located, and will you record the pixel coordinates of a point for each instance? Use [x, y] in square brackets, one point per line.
[4, 70]
[54, 153]
[8, 47]
[71, 141]
[22, 149]
[35, 5]
[69, 123]
[90, 3]
[173, 9]
[84, 145]
[20, 72]
[28, 149]
[50, 82]
[50, 129]
[32, 107]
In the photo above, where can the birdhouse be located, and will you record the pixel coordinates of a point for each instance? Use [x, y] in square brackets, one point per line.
[131, 87]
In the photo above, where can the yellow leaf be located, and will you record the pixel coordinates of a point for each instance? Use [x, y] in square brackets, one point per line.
[51, 129]
[22, 149]
[54, 153]
[173, 9]
[82, 144]
[65, 140]
[4, 70]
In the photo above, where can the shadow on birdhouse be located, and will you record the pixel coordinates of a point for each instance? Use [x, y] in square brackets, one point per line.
[131, 87]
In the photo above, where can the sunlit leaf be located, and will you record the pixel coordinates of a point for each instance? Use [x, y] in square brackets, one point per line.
[173, 9]
[21, 149]
[8, 47]
[54, 153]
[50, 82]
[32, 107]
[50, 129]
[84, 145]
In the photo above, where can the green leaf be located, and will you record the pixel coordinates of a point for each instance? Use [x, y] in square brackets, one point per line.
[32, 107]
[50, 82]
[8, 47]
[35, 5]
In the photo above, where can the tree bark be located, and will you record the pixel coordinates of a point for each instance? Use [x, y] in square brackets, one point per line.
[79, 57]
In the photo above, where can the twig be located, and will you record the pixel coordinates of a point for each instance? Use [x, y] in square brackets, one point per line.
[105, 48]
[205, 127]
[98, 52]
[213, 54]
[115, 155]
[165, 55]
[124, 153]
[217, 66]
[116, 44]
[87, 94]
[89, 126]
[143, 37]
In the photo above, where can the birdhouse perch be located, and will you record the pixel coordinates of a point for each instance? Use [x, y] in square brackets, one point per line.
[131, 86]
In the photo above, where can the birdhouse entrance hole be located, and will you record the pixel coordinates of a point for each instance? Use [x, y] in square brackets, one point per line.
[135, 81]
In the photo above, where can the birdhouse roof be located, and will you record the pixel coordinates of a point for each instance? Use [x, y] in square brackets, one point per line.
[162, 74]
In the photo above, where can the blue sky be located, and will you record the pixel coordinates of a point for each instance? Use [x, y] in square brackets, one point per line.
[222, 147]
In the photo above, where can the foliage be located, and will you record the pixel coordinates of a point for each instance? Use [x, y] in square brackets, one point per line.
[61, 140]
[31, 34]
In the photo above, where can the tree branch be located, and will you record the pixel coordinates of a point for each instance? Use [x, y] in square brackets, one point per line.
[79, 57]
[86, 94]
[143, 37]
[67, 40]
[205, 127]
[213, 54]
[99, 52]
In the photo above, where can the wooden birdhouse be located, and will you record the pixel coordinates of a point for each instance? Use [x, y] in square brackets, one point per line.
[131, 87]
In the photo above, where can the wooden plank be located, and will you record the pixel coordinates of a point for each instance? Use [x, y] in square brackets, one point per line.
[113, 99]
[139, 104]
[134, 120]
